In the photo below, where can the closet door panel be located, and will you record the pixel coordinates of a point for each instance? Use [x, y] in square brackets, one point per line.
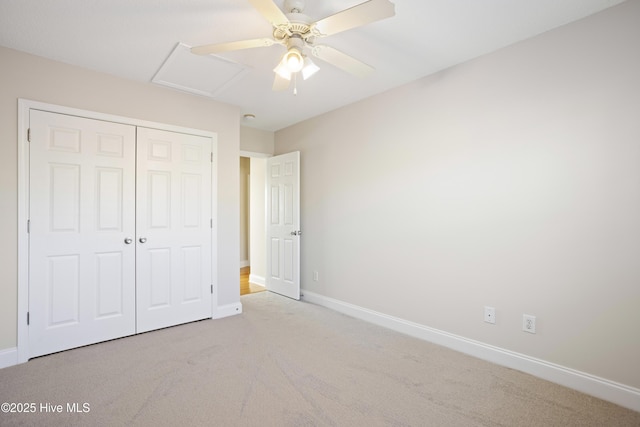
[173, 228]
[81, 210]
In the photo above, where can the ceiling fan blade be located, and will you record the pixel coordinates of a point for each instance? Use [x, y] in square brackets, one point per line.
[226, 47]
[362, 14]
[342, 60]
[280, 83]
[270, 11]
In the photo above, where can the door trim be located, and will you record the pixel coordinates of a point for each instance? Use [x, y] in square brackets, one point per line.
[24, 107]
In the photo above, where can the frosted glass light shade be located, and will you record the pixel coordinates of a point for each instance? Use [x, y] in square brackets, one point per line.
[294, 61]
[309, 68]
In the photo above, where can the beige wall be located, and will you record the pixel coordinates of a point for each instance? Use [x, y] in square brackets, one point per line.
[256, 140]
[512, 181]
[38, 79]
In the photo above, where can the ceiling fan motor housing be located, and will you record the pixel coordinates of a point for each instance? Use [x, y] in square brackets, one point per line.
[299, 25]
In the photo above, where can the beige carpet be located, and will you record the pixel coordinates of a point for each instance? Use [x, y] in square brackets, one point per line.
[288, 363]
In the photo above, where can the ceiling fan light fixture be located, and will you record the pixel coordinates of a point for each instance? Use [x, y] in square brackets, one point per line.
[293, 60]
[309, 68]
[298, 33]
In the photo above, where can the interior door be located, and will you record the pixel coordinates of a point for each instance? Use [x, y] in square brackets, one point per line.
[173, 222]
[283, 224]
[81, 230]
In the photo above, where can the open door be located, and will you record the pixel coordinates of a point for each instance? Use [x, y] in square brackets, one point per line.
[283, 225]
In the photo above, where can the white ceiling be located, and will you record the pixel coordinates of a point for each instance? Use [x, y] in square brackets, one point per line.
[134, 38]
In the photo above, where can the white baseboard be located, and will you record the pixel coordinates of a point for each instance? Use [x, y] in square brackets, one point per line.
[617, 393]
[257, 280]
[245, 263]
[8, 357]
[227, 310]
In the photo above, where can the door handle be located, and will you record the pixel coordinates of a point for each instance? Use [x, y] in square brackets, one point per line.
[296, 233]
[142, 240]
[128, 241]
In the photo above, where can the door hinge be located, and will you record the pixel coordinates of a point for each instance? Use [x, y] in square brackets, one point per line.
[211, 289]
[27, 317]
[29, 135]
[211, 223]
[28, 226]
[212, 157]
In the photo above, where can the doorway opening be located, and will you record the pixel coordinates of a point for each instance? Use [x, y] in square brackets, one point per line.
[270, 225]
[252, 224]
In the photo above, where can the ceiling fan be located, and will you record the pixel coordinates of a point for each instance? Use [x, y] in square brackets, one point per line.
[298, 33]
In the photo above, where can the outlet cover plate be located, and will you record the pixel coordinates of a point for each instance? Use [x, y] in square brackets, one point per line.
[490, 315]
[529, 323]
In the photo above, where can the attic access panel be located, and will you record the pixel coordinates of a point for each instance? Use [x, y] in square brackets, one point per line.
[206, 75]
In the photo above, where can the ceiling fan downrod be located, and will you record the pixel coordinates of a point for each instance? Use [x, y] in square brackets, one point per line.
[294, 6]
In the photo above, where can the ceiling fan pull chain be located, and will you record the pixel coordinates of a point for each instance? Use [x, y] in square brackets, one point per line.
[295, 84]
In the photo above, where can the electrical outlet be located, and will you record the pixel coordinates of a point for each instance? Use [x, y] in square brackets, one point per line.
[529, 323]
[315, 276]
[489, 314]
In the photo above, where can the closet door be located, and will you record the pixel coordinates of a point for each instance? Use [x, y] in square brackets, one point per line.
[82, 219]
[173, 222]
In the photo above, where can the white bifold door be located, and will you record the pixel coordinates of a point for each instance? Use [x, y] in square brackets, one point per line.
[119, 230]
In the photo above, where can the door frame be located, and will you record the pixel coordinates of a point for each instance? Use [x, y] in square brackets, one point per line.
[24, 107]
[267, 156]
